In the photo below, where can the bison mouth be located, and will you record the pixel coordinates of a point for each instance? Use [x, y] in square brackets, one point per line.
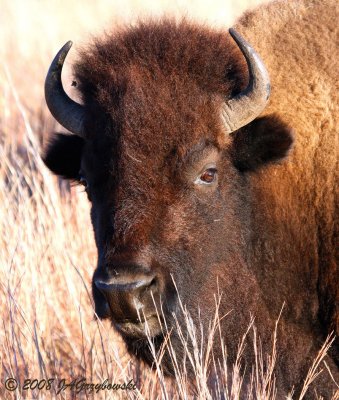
[144, 328]
[144, 340]
[148, 350]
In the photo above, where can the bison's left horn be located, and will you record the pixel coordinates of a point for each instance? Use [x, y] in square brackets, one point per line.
[247, 105]
[65, 110]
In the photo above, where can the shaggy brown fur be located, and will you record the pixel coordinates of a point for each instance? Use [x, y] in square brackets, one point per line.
[267, 232]
[300, 53]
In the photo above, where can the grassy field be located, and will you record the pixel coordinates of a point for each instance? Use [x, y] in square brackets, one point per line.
[47, 254]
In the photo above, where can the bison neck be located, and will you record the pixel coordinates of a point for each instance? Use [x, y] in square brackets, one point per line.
[295, 205]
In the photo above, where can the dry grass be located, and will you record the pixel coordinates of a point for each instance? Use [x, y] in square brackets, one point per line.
[47, 253]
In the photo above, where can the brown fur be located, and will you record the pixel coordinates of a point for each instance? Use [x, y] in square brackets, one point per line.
[267, 232]
[300, 54]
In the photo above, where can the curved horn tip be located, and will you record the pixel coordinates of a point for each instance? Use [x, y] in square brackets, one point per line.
[62, 53]
[232, 31]
[238, 38]
[66, 47]
[65, 110]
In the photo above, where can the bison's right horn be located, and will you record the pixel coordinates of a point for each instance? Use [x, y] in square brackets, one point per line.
[66, 111]
[247, 105]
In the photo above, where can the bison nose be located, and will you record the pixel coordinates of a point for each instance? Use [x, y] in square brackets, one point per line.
[129, 300]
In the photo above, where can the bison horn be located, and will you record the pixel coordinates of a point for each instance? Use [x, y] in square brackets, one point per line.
[66, 111]
[247, 105]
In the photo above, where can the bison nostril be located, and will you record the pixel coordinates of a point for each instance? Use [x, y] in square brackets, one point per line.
[153, 285]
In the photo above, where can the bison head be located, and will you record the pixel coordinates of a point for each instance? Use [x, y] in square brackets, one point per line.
[165, 142]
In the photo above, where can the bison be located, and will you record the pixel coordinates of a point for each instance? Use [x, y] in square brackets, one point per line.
[197, 183]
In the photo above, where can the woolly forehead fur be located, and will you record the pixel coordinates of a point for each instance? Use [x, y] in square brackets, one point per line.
[163, 78]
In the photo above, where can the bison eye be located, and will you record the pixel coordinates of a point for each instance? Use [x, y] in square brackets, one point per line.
[83, 181]
[208, 177]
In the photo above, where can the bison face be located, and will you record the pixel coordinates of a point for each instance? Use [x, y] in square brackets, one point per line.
[165, 212]
[170, 192]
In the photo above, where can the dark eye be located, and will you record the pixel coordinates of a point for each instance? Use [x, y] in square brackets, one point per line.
[83, 181]
[207, 177]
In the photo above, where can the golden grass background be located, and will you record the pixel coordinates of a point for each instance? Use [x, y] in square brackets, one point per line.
[47, 252]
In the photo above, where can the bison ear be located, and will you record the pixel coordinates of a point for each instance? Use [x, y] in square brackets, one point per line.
[63, 155]
[265, 140]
